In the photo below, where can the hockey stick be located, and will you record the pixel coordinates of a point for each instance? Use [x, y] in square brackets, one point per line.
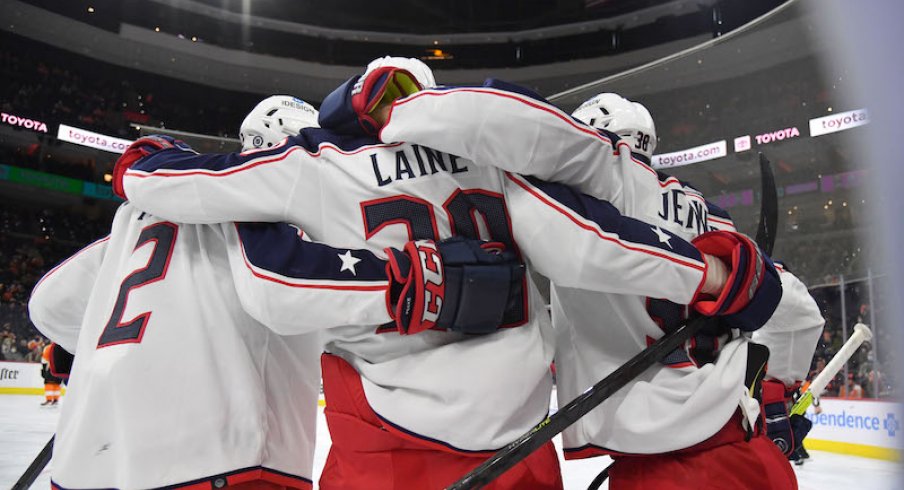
[35, 468]
[543, 432]
[765, 230]
[603, 476]
[861, 334]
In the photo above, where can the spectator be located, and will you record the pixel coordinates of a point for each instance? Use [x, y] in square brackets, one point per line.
[851, 389]
[32, 241]
[828, 344]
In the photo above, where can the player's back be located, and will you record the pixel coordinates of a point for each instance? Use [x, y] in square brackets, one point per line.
[383, 195]
[173, 382]
[673, 405]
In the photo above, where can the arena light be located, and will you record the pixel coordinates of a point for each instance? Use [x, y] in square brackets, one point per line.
[90, 10]
[437, 54]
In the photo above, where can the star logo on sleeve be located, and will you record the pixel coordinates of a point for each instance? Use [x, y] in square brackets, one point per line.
[662, 236]
[348, 262]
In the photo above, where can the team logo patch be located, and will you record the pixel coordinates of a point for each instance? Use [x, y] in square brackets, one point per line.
[434, 285]
[782, 444]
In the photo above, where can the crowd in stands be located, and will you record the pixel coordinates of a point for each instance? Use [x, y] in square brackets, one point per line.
[76, 165]
[869, 372]
[782, 96]
[32, 241]
[52, 85]
[824, 258]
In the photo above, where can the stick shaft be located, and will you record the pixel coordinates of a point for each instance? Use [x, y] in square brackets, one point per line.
[577, 408]
[861, 334]
[35, 468]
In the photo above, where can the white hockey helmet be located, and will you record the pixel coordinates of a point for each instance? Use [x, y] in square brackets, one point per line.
[418, 68]
[275, 118]
[629, 120]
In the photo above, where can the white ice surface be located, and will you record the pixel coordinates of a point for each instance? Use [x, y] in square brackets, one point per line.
[25, 427]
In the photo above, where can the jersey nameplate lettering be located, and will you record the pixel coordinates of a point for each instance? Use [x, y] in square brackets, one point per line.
[687, 213]
[414, 162]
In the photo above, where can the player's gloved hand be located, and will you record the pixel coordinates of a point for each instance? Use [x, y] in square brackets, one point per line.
[60, 363]
[786, 432]
[457, 284]
[353, 108]
[141, 148]
[752, 288]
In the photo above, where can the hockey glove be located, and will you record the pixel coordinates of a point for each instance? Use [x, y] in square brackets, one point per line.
[457, 284]
[141, 148]
[351, 108]
[60, 364]
[752, 290]
[786, 432]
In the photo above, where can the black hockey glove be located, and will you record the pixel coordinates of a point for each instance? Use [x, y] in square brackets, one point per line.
[457, 284]
[786, 432]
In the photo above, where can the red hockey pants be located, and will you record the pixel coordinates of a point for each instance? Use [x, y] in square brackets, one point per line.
[369, 454]
[725, 461]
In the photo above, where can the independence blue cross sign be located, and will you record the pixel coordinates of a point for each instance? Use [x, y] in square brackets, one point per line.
[891, 424]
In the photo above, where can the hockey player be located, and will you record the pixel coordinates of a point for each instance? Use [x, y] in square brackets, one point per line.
[196, 364]
[679, 425]
[51, 381]
[701, 420]
[274, 119]
[419, 411]
[789, 334]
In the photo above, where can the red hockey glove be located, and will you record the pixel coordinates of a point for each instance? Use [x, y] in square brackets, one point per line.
[457, 284]
[753, 288]
[351, 108]
[141, 148]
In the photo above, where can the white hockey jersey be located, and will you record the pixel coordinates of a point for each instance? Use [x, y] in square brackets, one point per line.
[461, 393]
[196, 352]
[669, 407]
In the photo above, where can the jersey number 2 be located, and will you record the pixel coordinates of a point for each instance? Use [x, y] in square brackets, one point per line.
[116, 331]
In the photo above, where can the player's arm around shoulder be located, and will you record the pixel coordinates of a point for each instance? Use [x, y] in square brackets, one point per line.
[582, 242]
[294, 285]
[181, 185]
[58, 302]
[509, 128]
